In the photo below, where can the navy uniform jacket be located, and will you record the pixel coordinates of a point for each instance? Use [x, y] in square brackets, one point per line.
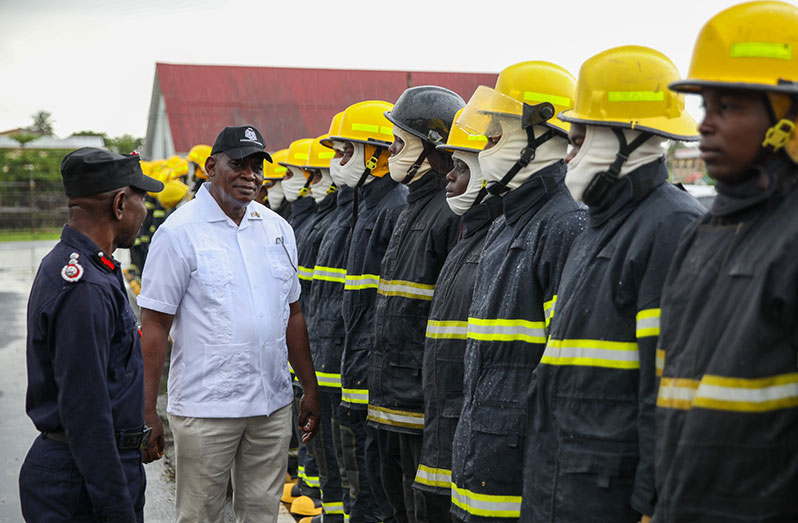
[517, 278]
[727, 406]
[380, 203]
[85, 374]
[591, 445]
[444, 349]
[326, 330]
[425, 232]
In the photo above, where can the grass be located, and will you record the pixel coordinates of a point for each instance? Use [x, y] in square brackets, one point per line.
[25, 235]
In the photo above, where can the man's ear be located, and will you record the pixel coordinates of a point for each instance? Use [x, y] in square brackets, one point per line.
[210, 166]
[118, 205]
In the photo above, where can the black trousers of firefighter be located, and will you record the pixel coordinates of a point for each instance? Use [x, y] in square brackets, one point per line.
[326, 448]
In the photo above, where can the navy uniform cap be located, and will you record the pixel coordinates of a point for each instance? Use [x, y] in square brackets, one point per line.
[240, 142]
[89, 171]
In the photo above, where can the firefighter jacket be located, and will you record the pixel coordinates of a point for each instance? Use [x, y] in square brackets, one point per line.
[383, 198]
[326, 326]
[308, 238]
[303, 214]
[425, 231]
[591, 409]
[284, 210]
[727, 408]
[517, 277]
[442, 366]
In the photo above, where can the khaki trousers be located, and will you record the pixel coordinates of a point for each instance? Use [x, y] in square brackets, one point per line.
[208, 450]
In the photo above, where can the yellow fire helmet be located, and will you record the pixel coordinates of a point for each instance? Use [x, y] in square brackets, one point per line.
[180, 169]
[298, 156]
[459, 140]
[197, 155]
[335, 126]
[172, 161]
[160, 173]
[365, 122]
[275, 170]
[520, 94]
[625, 87]
[146, 167]
[173, 193]
[319, 156]
[752, 46]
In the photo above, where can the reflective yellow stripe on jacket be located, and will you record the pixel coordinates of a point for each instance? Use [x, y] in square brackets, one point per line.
[358, 282]
[592, 353]
[548, 309]
[406, 289]
[305, 273]
[730, 394]
[485, 504]
[647, 323]
[333, 274]
[328, 379]
[336, 507]
[659, 361]
[506, 330]
[397, 418]
[444, 329]
[359, 396]
[434, 477]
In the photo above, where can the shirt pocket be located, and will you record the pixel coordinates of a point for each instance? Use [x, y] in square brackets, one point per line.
[281, 267]
[227, 370]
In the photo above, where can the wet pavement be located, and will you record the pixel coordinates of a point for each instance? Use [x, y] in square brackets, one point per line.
[18, 264]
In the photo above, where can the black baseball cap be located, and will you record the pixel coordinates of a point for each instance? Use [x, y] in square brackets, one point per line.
[89, 171]
[240, 142]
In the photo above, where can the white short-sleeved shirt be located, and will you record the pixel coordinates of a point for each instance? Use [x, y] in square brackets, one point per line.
[229, 289]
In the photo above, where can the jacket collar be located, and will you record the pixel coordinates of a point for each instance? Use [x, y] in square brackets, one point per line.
[374, 192]
[780, 173]
[431, 182]
[481, 215]
[305, 205]
[345, 195]
[87, 248]
[329, 201]
[527, 199]
[632, 188]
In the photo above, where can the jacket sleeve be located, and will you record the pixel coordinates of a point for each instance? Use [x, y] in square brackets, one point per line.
[650, 282]
[83, 324]
[558, 241]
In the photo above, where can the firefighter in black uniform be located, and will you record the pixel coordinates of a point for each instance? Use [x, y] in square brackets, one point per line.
[85, 371]
[516, 280]
[727, 407]
[272, 193]
[362, 141]
[442, 369]
[590, 450]
[424, 233]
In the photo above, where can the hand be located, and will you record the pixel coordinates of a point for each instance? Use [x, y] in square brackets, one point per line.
[309, 415]
[154, 450]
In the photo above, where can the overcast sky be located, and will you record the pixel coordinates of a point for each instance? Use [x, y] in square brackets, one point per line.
[91, 63]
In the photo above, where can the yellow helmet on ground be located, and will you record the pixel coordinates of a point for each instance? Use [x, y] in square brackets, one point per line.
[459, 140]
[197, 155]
[625, 87]
[173, 193]
[335, 126]
[319, 156]
[526, 84]
[752, 46]
[274, 170]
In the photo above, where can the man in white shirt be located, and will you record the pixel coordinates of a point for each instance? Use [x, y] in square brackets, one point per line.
[221, 278]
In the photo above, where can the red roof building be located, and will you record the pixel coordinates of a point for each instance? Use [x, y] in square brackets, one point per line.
[191, 103]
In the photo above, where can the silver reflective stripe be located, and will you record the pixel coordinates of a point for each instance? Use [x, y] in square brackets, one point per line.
[434, 477]
[443, 329]
[355, 282]
[592, 353]
[506, 330]
[648, 323]
[328, 379]
[397, 418]
[359, 396]
[406, 289]
[486, 504]
[329, 274]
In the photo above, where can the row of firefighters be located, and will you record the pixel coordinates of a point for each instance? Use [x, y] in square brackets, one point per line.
[507, 328]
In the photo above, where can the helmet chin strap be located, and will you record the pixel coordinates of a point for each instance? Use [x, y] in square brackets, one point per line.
[306, 189]
[371, 163]
[411, 173]
[527, 155]
[779, 134]
[601, 182]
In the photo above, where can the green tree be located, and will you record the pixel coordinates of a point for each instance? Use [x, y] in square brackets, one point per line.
[42, 123]
[124, 144]
[23, 138]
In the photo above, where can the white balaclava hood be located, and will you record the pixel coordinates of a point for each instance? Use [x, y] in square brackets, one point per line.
[496, 161]
[462, 203]
[294, 184]
[402, 162]
[275, 195]
[319, 189]
[353, 169]
[598, 151]
[335, 164]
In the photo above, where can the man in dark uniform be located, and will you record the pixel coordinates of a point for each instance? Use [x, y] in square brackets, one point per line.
[85, 380]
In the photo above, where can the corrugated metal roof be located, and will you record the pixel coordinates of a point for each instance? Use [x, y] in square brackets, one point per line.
[285, 104]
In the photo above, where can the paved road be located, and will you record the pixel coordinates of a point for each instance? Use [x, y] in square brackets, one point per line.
[18, 264]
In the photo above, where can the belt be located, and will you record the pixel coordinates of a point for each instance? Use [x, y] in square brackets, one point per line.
[124, 440]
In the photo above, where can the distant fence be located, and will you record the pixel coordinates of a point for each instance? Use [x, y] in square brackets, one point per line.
[34, 205]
